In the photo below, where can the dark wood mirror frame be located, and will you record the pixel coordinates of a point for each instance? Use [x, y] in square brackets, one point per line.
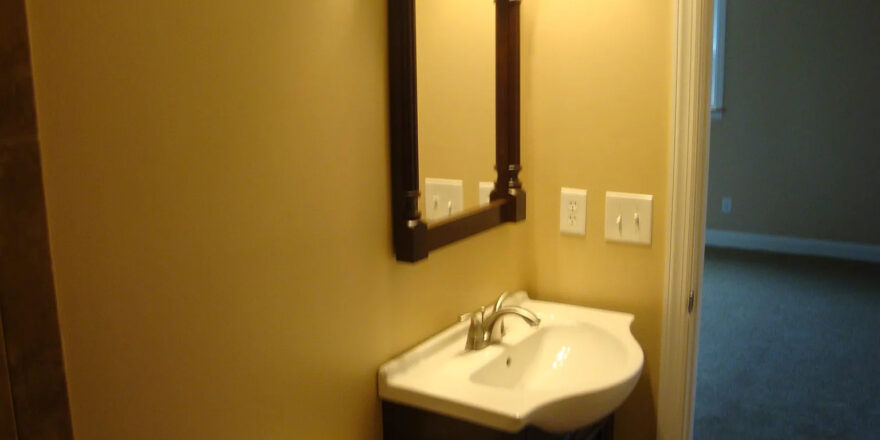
[413, 238]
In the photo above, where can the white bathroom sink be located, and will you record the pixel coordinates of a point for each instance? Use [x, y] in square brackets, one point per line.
[572, 370]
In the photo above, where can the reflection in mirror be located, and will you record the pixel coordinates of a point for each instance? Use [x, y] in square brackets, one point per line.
[455, 67]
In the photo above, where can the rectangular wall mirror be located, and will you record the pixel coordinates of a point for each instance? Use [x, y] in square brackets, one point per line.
[454, 115]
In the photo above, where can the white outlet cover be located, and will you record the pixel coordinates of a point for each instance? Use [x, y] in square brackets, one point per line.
[485, 191]
[443, 198]
[628, 217]
[573, 211]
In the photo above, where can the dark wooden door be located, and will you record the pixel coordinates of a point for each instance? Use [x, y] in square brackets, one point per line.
[33, 388]
[7, 416]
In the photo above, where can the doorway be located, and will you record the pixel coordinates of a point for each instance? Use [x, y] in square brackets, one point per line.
[790, 300]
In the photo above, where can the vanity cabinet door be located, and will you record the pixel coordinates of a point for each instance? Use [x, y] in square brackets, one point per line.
[401, 422]
[603, 430]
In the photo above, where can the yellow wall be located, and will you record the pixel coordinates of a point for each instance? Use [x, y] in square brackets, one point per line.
[217, 188]
[596, 87]
[218, 199]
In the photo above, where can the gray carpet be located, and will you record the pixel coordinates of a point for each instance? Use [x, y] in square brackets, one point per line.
[789, 348]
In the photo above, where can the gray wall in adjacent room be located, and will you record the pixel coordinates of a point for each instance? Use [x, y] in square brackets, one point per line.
[798, 145]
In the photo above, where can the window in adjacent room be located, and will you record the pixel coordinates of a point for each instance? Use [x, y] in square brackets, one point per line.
[720, 21]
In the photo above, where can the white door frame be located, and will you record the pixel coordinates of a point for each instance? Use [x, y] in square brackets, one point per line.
[686, 234]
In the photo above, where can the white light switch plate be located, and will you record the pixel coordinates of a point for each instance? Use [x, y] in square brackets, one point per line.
[628, 217]
[443, 197]
[573, 211]
[485, 191]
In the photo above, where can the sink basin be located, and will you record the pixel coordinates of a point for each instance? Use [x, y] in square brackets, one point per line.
[572, 370]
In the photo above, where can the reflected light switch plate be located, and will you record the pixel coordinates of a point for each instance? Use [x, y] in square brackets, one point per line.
[443, 198]
[485, 191]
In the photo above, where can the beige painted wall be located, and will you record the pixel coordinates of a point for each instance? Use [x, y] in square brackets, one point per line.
[596, 101]
[798, 148]
[217, 190]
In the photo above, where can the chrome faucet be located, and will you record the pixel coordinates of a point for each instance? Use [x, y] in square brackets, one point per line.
[481, 326]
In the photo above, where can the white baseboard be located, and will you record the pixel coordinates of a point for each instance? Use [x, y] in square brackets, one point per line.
[793, 245]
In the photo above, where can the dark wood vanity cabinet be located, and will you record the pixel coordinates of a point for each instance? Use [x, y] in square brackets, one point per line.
[401, 422]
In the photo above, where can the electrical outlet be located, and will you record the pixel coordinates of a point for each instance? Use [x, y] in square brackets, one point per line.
[726, 204]
[443, 198]
[485, 191]
[628, 217]
[573, 211]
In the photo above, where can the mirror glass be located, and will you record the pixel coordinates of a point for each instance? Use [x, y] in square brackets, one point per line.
[455, 78]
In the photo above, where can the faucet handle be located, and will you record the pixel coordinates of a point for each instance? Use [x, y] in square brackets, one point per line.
[475, 328]
[472, 316]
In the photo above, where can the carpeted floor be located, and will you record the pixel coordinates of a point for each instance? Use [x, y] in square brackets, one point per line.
[789, 348]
